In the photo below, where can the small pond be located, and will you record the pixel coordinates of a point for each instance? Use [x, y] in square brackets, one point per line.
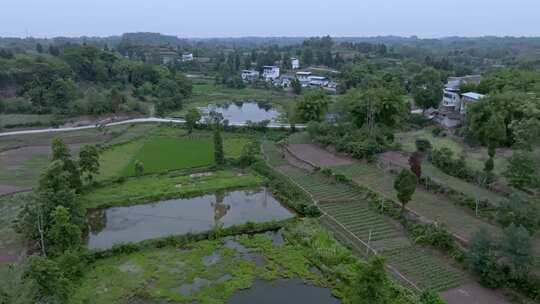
[241, 112]
[180, 216]
[290, 291]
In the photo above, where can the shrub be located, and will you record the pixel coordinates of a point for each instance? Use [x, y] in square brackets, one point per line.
[437, 131]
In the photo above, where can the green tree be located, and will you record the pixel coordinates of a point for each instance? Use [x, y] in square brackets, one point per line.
[312, 106]
[52, 285]
[60, 151]
[14, 287]
[193, 116]
[296, 86]
[39, 48]
[219, 154]
[89, 161]
[139, 168]
[427, 88]
[371, 284]
[489, 165]
[517, 211]
[516, 246]
[522, 171]
[482, 259]
[62, 234]
[405, 186]
[430, 297]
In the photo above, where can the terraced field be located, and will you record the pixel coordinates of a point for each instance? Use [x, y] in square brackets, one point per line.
[348, 214]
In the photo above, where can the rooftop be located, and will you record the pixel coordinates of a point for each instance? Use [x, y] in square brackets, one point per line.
[473, 95]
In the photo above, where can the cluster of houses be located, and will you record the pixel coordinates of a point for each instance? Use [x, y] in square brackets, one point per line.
[454, 103]
[169, 56]
[272, 74]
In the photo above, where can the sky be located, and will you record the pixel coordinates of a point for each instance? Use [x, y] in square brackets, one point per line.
[236, 18]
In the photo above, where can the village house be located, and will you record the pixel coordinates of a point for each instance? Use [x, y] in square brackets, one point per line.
[303, 77]
[318, 81]
[270, 72]
[187, 57]
[249, 75]
[469, 98]
[295, 63]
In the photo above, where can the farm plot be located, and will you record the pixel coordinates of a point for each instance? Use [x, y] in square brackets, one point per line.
[351, 218]
[431, 206]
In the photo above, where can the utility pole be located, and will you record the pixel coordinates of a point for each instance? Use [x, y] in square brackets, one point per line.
[368, 243]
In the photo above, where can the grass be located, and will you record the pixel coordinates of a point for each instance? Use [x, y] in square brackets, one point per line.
[474, 157]
[11, 120]
[152, 187]
[460, 185]
[11, 243]
[25, 174]
[432, 206]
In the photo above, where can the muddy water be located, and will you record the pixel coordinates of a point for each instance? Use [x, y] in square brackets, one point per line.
[244, 111]
[291, 291]
[171, 217]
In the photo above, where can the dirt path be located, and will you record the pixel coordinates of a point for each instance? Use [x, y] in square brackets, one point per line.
[473, 294]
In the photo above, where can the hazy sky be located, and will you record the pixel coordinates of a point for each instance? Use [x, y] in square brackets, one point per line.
[232, 18]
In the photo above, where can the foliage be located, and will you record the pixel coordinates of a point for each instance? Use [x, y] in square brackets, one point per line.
[517, 248]
[430, 297]
[312, 106]
[443, 159]
[415, 162]
[427, 88]
[405, 186]
[89, 161]
[52, 285]
[359, 143]
[518, 212]
[423, 145]
[482, 259]
[296, 86]
[498, 117]
[193, 116]
[433, 235]
[139, 168]
[62, 234]
[371, 284]
[522, 171]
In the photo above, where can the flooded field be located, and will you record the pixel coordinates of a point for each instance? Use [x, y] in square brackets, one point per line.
[179, 216]
[283, 291]
[241, 112]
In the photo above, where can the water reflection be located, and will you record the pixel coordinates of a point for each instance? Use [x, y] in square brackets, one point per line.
[244, 111]
[180, 216]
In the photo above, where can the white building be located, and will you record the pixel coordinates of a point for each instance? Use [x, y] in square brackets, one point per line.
[250, 75]
[469, 98]
[187, 57]
[303, 77]
[270, 72]
[451, 93]
[295, 63]
[318, 81]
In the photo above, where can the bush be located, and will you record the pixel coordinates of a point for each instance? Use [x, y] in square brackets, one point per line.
[430, 234]
[437, 131]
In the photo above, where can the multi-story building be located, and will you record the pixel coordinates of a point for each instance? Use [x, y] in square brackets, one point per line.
[295, 63]
[270, 72]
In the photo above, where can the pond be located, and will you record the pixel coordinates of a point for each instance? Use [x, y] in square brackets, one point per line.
[180, 216]
[290, 291]
[241, 112]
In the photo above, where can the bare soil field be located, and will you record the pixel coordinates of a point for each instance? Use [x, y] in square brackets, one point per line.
[473, 293]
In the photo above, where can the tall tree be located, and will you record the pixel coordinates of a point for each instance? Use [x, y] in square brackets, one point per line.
[405, 186]
[516, 245]
[312, 106]
[219, 154]
[193, 116]
[371, 284]
[522, 171]
[427, 88]
[89, 161]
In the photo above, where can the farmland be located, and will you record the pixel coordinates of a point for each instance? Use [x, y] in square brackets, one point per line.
[155, 187]
[348, 213]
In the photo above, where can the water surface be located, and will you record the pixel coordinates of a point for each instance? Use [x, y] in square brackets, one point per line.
[292, 291]
[180, 216]
[242, 112]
